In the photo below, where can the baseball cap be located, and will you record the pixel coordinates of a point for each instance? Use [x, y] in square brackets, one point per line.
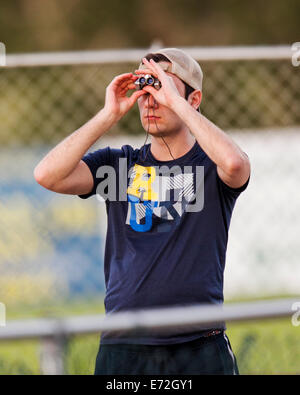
[182, 65]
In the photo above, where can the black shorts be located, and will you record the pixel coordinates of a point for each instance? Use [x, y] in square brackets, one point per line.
[206, 355]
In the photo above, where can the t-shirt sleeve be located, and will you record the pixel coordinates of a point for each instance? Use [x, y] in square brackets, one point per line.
[94, 160]
[232, 192]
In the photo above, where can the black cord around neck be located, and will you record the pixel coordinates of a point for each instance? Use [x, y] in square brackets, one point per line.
[147, 134]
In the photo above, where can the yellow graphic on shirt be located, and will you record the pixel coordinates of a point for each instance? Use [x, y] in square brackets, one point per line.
[155, 193]
[141, 184]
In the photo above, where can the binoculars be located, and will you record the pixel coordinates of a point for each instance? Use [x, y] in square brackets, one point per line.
[147, 80]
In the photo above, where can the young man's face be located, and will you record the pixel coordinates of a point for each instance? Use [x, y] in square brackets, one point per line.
[158, 119]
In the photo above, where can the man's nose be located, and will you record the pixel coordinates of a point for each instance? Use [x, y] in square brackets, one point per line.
[151, 102]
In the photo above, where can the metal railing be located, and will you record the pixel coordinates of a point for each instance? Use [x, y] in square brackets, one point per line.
[54, 333]
[203, 54]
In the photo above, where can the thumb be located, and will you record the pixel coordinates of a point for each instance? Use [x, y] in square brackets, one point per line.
[151, 90]
[133, 98]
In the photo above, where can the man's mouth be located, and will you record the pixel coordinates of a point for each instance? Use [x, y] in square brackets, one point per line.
[152, 117]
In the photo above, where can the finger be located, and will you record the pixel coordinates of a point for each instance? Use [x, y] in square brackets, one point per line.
[124, 90]
[146, 71]
[123, 78]
[149, 65]
[158, 69]
[128, 82]
[141, 71]
[131, 86]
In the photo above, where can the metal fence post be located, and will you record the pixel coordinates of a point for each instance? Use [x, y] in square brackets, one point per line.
[53, 355]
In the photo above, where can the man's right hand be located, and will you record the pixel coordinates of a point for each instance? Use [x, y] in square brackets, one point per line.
[117, 103]
[62, 169]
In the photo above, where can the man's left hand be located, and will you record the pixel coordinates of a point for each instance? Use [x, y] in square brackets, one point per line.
[168, 93]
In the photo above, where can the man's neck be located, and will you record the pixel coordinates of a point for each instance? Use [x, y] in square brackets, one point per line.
[178, 145]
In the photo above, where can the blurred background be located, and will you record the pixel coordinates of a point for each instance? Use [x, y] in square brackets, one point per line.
[51, 246]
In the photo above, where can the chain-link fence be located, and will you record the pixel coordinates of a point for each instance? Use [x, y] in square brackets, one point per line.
[41, 105]
[51, 246]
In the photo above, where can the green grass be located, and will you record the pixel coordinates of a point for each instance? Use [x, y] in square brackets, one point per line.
[261, 347]
[52, 309]
[266, 347]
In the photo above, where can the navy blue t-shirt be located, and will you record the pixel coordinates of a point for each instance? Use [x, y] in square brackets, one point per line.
[167, 233]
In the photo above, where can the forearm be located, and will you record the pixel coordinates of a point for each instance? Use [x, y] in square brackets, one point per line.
[219, 147]
[63, 159]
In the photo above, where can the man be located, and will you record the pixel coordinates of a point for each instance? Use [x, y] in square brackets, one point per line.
[166, 241]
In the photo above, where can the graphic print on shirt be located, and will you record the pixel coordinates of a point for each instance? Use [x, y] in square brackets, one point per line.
[162, 194]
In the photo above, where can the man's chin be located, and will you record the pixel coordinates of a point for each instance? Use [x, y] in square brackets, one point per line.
[154, 131]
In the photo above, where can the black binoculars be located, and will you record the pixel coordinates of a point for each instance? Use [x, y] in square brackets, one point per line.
[147, 80]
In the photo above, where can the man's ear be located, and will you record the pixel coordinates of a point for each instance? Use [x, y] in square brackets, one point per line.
[195, 98]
